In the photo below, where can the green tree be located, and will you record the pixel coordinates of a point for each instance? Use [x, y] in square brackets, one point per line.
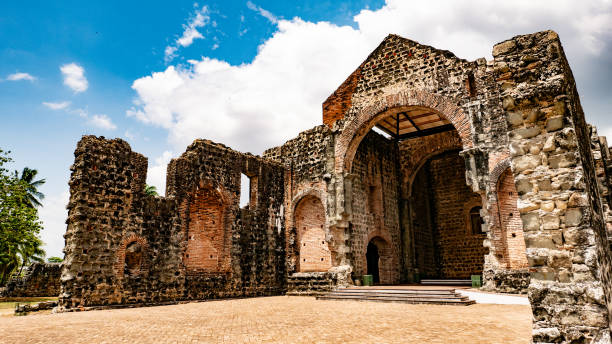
[19, 223]
[54, 260]
[34, 196]
[150, 190]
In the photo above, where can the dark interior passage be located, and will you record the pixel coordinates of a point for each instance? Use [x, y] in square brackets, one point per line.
[372, 256]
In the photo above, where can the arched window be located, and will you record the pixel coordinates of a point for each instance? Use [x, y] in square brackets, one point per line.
[133, 259]
[476, 221]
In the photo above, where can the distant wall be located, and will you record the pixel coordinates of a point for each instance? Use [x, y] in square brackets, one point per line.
[40, 279]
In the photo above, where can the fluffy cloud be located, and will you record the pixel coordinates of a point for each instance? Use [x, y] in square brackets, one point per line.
[199, 19]
[74, 77]
[57, 106]
[156, 174]
[20, 76]
[53, 214]
[103, 122]
[262, 103]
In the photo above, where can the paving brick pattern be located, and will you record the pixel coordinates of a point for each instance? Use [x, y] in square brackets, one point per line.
[280, 319]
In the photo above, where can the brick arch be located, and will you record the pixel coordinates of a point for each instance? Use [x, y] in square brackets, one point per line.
[207, 229]
[119, 266]
[497, 172]
[426, 154]
[310, 229]
[355, 129]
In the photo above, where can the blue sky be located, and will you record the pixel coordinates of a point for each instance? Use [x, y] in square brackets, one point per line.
[250, 74]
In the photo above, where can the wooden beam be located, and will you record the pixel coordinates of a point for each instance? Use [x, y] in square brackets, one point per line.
[397, 127]
[389, 132]
[412, 122]
[427, 132]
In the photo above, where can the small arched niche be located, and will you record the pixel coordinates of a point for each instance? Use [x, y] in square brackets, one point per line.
[314, 254]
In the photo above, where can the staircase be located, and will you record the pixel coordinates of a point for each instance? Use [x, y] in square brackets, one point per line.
[412, 296]
[446, 282]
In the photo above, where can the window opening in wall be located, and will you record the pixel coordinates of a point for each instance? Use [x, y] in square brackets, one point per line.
[245, 188]
[133, 258]
[470, 85]
[476, 220]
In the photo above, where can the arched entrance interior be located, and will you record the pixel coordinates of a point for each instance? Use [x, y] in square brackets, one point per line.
[424, 227]
[445, 220]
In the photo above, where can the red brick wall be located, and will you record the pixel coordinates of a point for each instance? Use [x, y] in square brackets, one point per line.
[310, 223]
[336, 105]
[206, 235]
[512, 226]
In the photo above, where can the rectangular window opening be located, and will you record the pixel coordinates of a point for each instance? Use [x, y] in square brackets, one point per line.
[245, 188]
[248, 191]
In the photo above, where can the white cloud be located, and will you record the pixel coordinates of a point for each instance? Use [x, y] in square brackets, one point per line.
[103, 122]
[20, 76]
[262, 12]
[190, 32]
[260, 104]
[156, 174]
[74, 77]
[57, 106]
[53, 214]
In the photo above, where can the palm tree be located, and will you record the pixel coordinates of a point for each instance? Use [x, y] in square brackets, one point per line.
[31, 252]
[33, 196]
[150, 190]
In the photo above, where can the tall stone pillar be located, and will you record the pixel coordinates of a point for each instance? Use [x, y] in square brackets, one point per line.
[559, 202]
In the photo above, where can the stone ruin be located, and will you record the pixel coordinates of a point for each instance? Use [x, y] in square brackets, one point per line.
[40, 279]
[426, 166]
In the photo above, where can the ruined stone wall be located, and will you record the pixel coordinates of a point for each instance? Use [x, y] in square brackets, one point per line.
[375, 193]
[40, 279]
[560, 206]
[123, 247]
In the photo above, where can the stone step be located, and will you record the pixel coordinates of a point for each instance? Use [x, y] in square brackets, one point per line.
[431, 301]
[420, 296]
[446, 282]
[406, 296]
[399, 291]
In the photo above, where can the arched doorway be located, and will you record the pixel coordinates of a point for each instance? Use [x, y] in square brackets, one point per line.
[372, 258]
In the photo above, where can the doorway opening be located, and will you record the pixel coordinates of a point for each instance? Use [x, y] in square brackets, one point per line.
[373, 258]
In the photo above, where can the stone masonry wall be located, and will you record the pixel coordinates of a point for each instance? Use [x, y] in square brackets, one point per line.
[40, 279]
[560, 206]
[123, 247]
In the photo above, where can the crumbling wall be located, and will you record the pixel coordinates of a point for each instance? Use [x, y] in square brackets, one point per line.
[560, 206]
[124, 247]
[40, 279]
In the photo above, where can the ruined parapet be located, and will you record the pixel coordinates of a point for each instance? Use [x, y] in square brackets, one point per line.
[560, 207]
[40, 279]
[124, 247]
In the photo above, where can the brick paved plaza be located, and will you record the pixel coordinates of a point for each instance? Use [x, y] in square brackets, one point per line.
[281, 319]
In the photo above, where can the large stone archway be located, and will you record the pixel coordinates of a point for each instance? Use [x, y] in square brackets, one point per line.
[355, 128]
